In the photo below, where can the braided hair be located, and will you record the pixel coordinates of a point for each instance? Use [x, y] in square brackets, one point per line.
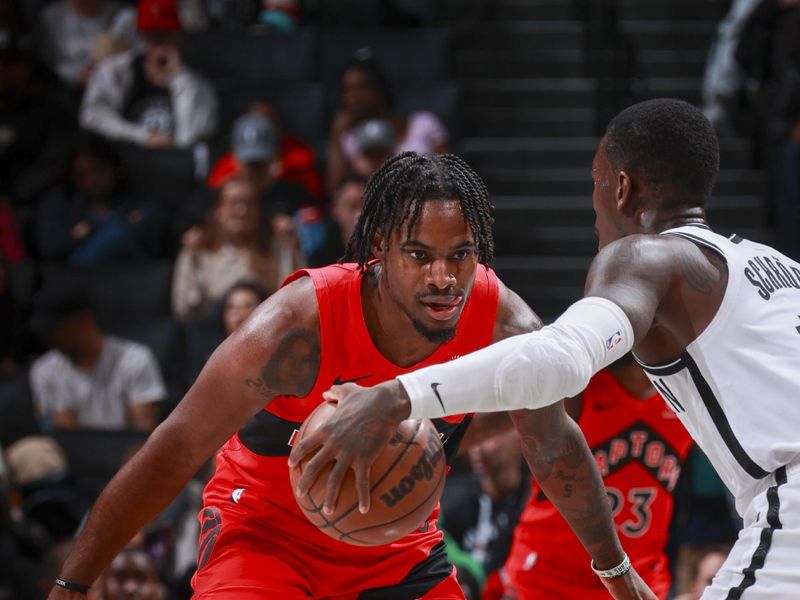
[396, 192]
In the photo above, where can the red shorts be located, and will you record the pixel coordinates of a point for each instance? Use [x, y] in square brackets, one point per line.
[251, 569]
[255, 543]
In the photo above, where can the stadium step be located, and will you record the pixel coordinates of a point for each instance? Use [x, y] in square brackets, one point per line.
[539, 93]
[547, 62]
[537, 90]
[525, 152]
[548, 284]
[731, 212]
[662, 34]
[573, 181]
[509, 122]
[669, 10]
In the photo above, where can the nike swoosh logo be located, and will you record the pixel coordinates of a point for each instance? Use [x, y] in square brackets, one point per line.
[340, 381]
[434, 387]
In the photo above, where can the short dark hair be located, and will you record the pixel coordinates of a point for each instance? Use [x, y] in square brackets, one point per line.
[397, 190]
[669, 145]
[56, 303]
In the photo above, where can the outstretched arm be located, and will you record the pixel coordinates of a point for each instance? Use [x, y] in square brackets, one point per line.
[241, 377]
[514, 317]
[557, 453]
[626, 284]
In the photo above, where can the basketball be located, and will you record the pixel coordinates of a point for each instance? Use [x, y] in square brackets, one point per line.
[407, 479]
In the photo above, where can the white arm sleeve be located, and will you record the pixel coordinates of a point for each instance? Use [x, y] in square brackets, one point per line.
[532, 370]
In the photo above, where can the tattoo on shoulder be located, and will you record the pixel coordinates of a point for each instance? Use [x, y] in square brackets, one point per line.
[628, 260]
[292, 369]
[633, 258]
[698, 275]
[516, 318]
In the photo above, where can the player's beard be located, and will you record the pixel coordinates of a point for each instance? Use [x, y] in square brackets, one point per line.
[437, 336]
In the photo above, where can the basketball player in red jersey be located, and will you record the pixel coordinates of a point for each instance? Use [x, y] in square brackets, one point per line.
[639, 445]
[418, 293]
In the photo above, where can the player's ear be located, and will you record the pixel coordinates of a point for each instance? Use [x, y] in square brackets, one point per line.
[624, 193]
[379, 245]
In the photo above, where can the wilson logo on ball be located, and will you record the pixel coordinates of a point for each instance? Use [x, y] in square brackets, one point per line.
[424, 469]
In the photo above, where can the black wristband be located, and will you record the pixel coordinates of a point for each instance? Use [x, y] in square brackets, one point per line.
[72, 587]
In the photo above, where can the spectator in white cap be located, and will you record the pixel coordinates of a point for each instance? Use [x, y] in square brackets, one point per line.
[374, 143]
[261, 151]
[254, 142]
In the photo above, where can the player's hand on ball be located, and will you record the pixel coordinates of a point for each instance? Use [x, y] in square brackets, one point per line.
[361, 426]
[629, 587]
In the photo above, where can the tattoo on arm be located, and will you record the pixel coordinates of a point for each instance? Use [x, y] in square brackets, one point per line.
[564, 467]
[697, 274]
[629, 261]
[293, 367]
[514, 316]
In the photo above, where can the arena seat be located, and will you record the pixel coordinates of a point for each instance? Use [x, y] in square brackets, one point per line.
[16, 410]
[300, 106]
[253, 58]
[439, 97]
[166, 174]
[200, 341]
[407, 55]
[121, 295]
[95, 455]
[23, 277]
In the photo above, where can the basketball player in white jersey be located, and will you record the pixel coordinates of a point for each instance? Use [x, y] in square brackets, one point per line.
[714, 321]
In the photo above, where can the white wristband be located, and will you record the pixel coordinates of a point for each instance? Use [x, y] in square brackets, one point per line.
[618, 571]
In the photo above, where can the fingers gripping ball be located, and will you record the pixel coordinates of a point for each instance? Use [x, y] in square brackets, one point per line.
[406, 482]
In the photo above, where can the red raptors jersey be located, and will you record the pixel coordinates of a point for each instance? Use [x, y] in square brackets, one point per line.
[251, 484]
[639, 446]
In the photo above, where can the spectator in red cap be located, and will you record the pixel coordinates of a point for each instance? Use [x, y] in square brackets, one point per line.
[148, 96]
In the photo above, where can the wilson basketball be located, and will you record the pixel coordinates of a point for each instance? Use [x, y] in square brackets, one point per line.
[407, 479]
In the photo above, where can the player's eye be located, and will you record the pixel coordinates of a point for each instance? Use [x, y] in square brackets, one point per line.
[462, 254]
[417, 254]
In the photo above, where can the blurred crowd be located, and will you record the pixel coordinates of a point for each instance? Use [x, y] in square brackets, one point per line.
[752, 87]
[151, 198]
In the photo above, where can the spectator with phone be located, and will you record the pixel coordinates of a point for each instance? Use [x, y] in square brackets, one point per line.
[149, 97]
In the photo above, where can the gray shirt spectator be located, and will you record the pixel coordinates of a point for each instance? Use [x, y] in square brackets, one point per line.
[89, 379]
[126, 375]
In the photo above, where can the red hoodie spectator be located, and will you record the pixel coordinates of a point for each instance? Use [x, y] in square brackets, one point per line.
[252, 146]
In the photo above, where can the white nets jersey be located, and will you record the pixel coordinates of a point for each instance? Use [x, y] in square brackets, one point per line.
[736, 388]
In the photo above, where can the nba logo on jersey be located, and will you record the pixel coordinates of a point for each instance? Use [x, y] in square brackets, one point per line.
[614, 340]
